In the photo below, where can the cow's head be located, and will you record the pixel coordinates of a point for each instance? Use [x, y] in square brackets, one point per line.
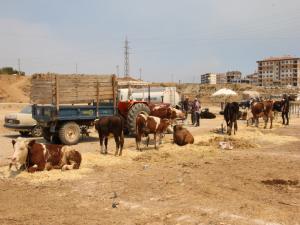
[20, 154]
[177, 128]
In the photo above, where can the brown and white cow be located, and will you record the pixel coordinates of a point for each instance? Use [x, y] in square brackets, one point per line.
[37, 157]
[146, 125]
[165, 111]
[263, 109]
[181, 136]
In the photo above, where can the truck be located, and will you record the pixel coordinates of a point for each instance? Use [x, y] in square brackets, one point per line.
[66, 106]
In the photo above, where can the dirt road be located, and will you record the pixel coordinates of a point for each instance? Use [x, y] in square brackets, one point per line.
[256, 183]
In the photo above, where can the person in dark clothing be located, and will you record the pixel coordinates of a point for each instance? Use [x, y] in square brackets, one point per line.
[186, 107]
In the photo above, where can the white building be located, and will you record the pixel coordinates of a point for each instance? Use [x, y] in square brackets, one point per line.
[209, 78]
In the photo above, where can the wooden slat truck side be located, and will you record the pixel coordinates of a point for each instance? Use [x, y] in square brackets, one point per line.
[66, 105]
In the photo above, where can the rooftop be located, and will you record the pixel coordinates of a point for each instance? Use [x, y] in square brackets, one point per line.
[285, 57]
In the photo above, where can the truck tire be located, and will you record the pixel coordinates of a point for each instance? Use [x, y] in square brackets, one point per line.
[134, 111]
[37, 131]
[69, 133]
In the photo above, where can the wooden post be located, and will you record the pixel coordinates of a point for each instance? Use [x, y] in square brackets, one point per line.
[149, 98]
[97, 103]
[114, 93]
[57, 92]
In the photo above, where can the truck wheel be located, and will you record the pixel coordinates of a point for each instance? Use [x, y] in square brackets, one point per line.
[69, 133]
[47, 134]
[37, 131]
[134, 111]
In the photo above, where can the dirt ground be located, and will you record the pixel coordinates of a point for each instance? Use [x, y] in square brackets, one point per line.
[256, 183]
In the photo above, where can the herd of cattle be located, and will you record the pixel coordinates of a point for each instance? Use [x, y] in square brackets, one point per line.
[255, 109]
[33, 156]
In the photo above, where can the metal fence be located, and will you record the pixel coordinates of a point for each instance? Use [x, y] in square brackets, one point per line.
[295, 109]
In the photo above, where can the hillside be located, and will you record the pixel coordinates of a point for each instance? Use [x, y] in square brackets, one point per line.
[14, 88]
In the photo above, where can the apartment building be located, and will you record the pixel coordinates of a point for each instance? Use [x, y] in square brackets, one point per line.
[279, 71]
[233, 76]
[253, 79]
[209, 78]
[221, 78]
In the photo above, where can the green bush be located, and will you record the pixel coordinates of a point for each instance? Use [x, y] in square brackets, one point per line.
[10, 71]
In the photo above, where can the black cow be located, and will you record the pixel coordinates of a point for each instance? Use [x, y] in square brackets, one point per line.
[111, 125]
[231, 113]
[206, 114]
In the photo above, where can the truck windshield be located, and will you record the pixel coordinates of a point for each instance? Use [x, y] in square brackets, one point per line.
[26, 109]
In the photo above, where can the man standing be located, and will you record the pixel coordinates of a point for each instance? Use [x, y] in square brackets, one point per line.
[186, 107]
[196, 109]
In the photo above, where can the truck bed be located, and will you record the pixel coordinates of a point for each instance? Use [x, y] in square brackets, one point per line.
[47, 113]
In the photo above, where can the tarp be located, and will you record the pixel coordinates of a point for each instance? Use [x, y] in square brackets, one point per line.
[224, 92]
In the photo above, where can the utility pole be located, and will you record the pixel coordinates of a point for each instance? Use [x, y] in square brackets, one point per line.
[19, 66]
[126, 58]
[140, 70]
[118, 70]
[76, 68]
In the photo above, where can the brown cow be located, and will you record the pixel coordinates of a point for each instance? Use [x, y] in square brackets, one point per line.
[37, 157]
[263, 109]
[111, 125]
[146, 125]
[165, 111]
[181, 136]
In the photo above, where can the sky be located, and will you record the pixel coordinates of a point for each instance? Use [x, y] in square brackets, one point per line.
[168, 39]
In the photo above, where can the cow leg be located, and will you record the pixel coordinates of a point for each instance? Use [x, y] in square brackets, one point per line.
[138, 138]
[105, 142]
[256, 121]
[73, 165]
[49, 166]
[235, 127]
[287, 118]
[121, 143]
[148, 140]
[36, 167]
[155, 144]
[101, 144]
[271, 121]
[117, 140]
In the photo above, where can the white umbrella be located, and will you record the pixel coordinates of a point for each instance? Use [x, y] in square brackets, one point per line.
[224, 92]
[251, 94]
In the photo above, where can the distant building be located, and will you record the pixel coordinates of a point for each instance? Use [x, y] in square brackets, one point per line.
[209, 78]
[253, 78]
[233, 76]
[279, 71]
[221, 78]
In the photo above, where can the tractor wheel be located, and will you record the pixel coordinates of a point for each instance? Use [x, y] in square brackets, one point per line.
[134, 111]
[69, 133]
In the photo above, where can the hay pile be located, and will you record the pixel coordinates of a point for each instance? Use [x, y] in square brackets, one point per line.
[90, 161]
